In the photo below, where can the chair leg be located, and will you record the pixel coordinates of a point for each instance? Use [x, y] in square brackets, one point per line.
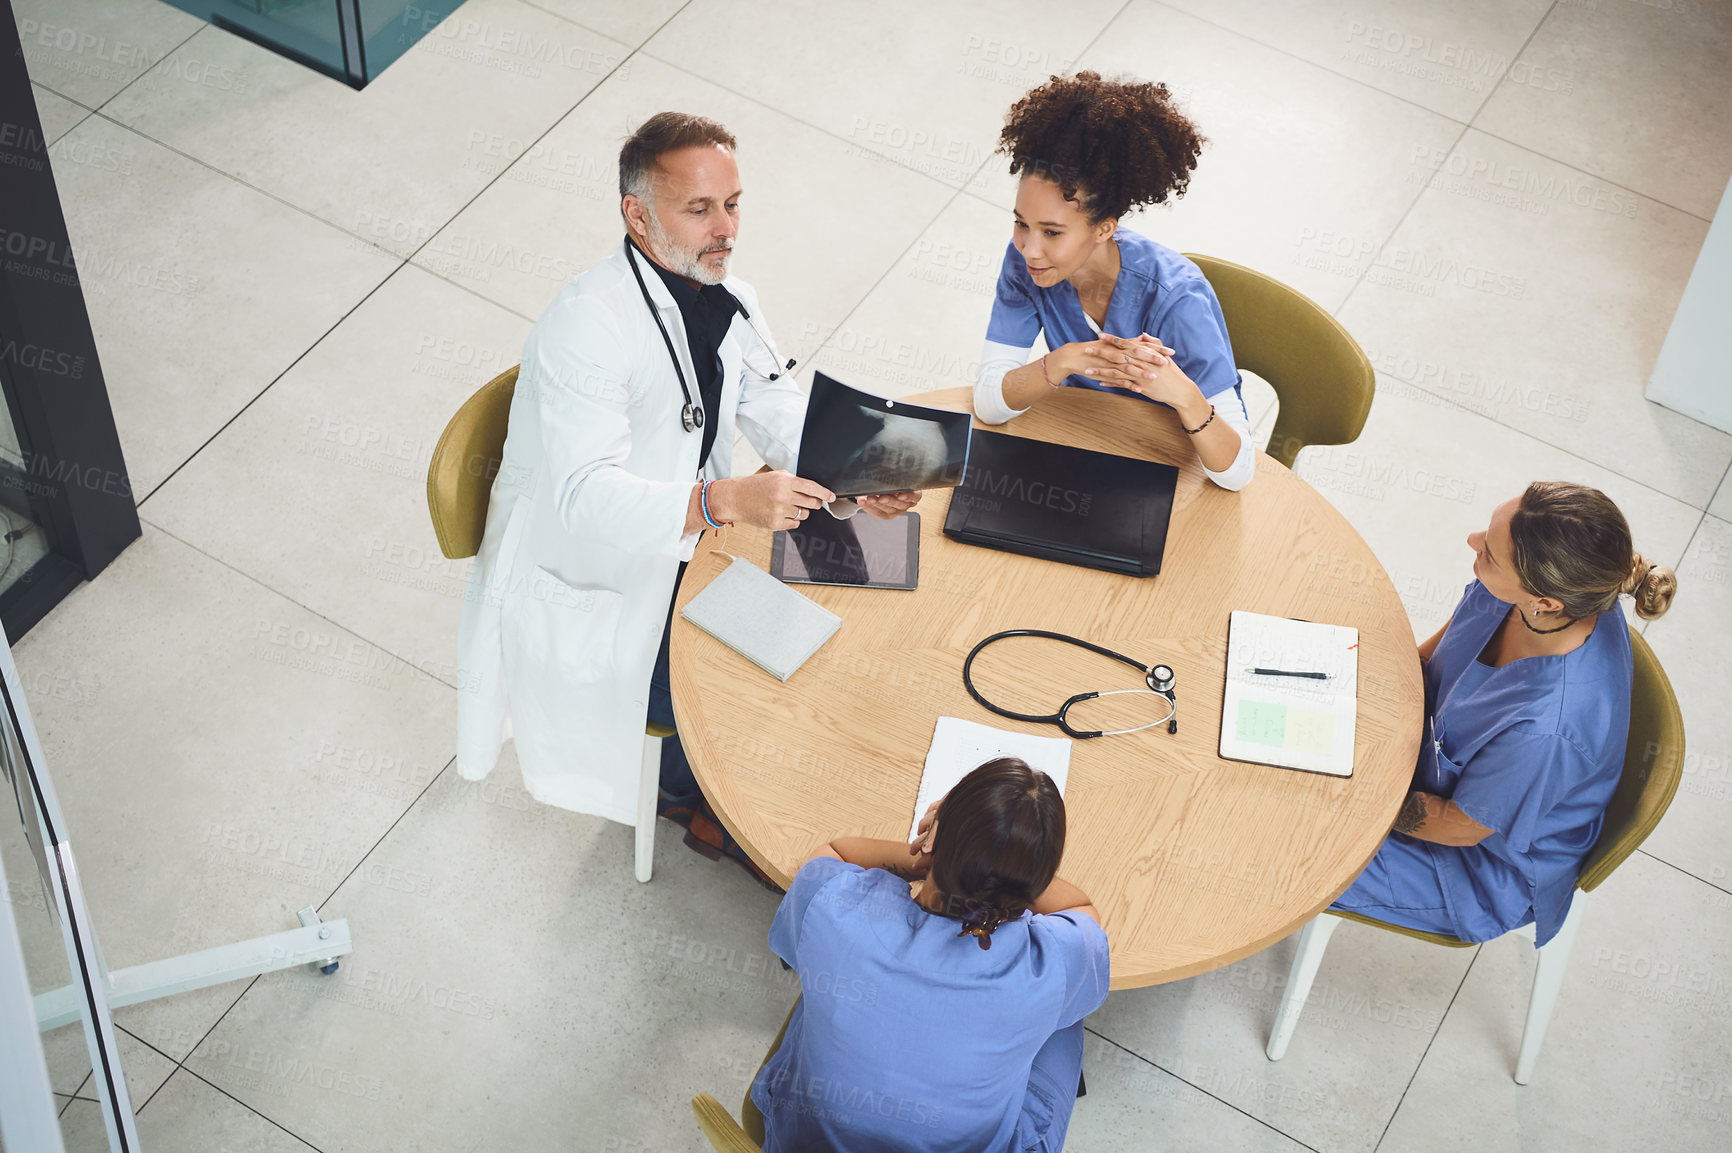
[649, 779]
[1548, 980]
[1313, 939]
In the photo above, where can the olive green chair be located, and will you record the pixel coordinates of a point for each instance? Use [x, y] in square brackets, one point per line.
[1320, 374]
[1653, 765]
[747, 1134]
[459, 485]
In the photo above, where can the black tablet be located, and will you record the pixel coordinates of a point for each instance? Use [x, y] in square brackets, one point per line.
[862, 551]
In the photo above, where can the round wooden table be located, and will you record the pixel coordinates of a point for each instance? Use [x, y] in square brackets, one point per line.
[1193, 861]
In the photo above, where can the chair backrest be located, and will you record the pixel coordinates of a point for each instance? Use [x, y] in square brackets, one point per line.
[465, 461]
[1653, 765]
[1322, 377]
[724, 1132]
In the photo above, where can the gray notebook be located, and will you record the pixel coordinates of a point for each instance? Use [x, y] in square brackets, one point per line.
[761, 618]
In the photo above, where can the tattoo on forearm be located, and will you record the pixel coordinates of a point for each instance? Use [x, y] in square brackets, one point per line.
[906, 872]
[1412, 814]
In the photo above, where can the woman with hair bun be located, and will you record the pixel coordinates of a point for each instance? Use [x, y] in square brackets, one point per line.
[1118, 311]
[1527, 694]
[950, 1020]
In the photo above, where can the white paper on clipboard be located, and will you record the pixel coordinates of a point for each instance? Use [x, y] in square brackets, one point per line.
[959, 747]
[1292, 722]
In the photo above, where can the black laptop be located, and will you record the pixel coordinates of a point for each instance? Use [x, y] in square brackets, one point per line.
[1064, 504]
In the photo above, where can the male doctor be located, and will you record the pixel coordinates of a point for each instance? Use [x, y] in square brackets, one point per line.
[619, 453]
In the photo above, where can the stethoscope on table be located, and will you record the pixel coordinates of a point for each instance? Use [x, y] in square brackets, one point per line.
[692, 415]
[1159, 678]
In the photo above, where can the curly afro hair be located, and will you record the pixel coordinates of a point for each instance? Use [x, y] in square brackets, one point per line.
[1110, 145]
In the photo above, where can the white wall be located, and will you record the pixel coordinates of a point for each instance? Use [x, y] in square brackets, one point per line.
[1694, 373]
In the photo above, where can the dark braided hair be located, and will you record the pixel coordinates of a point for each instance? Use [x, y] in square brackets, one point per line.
[999, 841]
[1110, 145]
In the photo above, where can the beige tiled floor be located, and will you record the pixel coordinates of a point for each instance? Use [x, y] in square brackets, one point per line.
[1501, 200]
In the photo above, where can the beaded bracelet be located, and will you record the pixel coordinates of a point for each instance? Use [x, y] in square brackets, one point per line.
[1044, 373]
[704, 504]
[1201, 427]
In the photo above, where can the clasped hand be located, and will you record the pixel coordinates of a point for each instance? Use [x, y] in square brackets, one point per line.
[1141, 364]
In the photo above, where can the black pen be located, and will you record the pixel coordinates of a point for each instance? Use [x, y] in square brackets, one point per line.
[1289, 673]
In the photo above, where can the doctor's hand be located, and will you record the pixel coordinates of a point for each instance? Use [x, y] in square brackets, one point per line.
[889, 505]
[772, 500]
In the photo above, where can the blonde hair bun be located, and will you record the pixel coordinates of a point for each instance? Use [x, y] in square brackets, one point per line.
[1652, 585]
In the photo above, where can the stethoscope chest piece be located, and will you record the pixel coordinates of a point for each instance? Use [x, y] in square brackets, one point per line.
[692, 417]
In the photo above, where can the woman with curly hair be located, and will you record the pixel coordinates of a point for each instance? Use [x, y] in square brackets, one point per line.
[1118, 311]
[950, 1019]
[1527, 694]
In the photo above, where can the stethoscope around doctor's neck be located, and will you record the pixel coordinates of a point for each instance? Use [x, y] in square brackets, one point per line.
[1159, 678]
[692, 414]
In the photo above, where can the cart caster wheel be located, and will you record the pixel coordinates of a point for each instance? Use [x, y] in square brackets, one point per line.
[327, 970]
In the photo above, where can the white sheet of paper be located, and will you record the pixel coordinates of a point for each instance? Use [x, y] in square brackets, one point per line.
[959, 747]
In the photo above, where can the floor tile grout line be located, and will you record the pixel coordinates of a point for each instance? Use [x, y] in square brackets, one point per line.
[80, 105]
[1277, 49]
[1424, 187]
[555, 123]
[241, 411]
[94, 109]
[264, 1116]
[597, 31]
[1719, 488]
[1681, 869]
[1420, 1064]
[265, 192]
[1156, 1065]
[767, 106]
[1514, 57]
[362, 860]
[407, 809]
[245, 575]
[1095, 39]
[1590, 175]
[434, 232]
[1469, 122]
[943, 208]
[1695, 531]
[1441, 399]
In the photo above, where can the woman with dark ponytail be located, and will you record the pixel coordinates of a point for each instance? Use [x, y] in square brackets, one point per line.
[1527, 693]
[950, 1019]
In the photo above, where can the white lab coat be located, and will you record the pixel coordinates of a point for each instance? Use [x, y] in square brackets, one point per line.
[568, 596]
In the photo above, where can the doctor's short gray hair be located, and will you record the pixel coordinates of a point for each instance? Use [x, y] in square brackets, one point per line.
[663, 132]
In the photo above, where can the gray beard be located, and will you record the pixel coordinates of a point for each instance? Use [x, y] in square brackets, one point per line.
[680, 261]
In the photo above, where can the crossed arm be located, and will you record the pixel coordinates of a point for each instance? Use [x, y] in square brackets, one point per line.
[912, 862]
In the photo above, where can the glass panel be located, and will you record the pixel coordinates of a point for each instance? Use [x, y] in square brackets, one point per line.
[300, 29]
[22, 541]
[391, 27]
[41, 886]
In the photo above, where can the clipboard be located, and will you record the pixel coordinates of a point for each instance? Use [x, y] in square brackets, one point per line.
[1291, 722]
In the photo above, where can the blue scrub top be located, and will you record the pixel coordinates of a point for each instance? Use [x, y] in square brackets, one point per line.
[1158, 292]
[907, 1036]
[1533, 751]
